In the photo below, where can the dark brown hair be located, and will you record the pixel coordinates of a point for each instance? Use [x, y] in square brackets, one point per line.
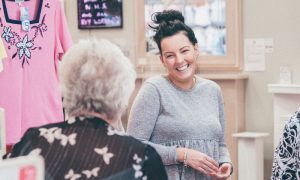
[170, 22]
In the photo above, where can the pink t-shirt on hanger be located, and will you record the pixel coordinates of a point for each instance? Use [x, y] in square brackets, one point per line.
[29, 90]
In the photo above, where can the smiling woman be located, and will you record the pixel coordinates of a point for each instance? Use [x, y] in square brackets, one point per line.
[181, 114]
[179, 58]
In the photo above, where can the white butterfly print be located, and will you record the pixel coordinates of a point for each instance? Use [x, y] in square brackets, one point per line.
[81, 118]
[71, 120]
[48, 134]
[144, 178]
[111, 131]
[71, 175]
[57, 133]
[93, 172]
[44, 131]
[35, 152]
[68, 139]
[137, 168]
[106, 155]
[137, 159]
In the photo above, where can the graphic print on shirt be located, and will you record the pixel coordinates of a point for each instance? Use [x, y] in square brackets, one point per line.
[24, 45]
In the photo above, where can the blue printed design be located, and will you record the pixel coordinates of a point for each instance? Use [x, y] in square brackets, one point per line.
[7, 35]
[24, 47]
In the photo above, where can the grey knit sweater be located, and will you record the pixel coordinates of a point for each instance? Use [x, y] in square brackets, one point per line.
[168, 117]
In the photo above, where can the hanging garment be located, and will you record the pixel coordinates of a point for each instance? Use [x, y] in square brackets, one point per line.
[2, 54]
[29, 90]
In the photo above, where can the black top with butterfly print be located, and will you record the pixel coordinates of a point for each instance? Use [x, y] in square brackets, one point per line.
[286, 163]
[89, 148]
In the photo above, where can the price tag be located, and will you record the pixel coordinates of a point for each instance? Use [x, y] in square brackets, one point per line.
[25, 18]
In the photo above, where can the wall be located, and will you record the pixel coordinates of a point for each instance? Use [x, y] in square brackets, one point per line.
[279, 20]
[124, 37]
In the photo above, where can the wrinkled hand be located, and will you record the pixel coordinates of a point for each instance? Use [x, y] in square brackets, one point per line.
[202, 162]
[223, 172]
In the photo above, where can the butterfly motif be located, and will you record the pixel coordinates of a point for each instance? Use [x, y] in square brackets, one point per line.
[71, 120]
[44, 131]
[144, 178]
[111, 131]
[65, 139]
[93, 172]
[137, 168]
[137, 159]
[57, 134]
[105, 154]
[81, 118]
[48, 134]
[35, 152]
[71, 175]
[7, 34]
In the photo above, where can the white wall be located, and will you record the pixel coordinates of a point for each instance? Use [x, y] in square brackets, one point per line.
[280, 20]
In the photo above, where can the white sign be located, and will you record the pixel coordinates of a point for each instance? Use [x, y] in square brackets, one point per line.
[254, 55]
[285, 76]
[269, 46]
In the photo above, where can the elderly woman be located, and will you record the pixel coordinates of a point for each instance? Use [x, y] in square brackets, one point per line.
[97, 81]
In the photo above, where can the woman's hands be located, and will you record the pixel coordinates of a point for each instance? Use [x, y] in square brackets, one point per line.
[198, 161]
[224, 171]
[204, 163]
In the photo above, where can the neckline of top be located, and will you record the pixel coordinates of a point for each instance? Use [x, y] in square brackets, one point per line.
[181, 89]
[13, 21]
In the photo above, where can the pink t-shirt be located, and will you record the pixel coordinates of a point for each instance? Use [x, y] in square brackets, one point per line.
[29, 91]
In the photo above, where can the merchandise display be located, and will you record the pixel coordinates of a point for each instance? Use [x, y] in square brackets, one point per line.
[35, 35]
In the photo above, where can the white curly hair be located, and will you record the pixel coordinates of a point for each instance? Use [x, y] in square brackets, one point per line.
[96, 77]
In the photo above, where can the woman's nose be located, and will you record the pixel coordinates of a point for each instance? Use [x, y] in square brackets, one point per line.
[179, 58]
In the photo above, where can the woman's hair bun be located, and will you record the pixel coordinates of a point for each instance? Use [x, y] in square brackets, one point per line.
[167, 16]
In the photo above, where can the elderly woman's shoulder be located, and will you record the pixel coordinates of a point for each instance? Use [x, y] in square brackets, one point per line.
[51, 126]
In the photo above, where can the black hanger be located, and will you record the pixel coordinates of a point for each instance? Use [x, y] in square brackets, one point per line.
[14, 0]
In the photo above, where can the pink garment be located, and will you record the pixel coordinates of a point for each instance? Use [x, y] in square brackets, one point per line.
[29, 91]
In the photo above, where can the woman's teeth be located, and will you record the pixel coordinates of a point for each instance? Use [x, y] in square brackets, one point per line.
[182, 68]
